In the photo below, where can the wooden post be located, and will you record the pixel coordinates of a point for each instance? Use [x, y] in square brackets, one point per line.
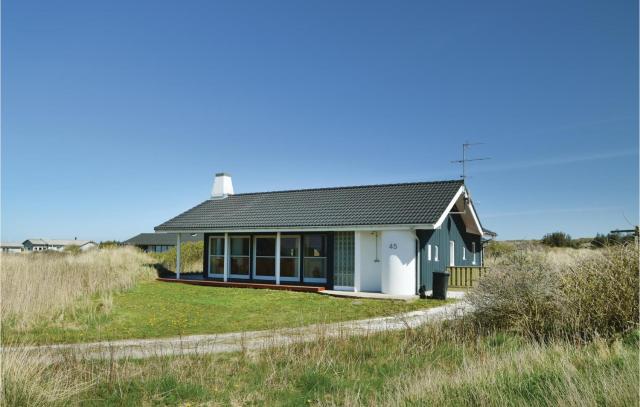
[178, 256]
[278, 258]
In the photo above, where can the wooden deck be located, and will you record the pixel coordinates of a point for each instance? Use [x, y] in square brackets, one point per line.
[210, 283]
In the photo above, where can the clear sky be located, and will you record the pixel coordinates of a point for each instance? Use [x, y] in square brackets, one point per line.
[116, 114]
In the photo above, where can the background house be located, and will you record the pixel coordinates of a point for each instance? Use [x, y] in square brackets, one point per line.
[36, 245]
[159, 242]
[11, 247]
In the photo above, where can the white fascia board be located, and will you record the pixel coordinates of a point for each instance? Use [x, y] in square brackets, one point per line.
[363, 228]
[462, 190]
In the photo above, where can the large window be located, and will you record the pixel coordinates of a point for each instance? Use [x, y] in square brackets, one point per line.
[240, 247]
[216, 256]
[290, 258]
[265, 258]
[315, 258]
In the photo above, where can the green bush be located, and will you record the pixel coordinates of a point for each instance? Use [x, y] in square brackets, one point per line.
[496, 249]
[602, 240]
[528, 294]
[109, 244]
[73, 249]
[191, 254]
[558, 239]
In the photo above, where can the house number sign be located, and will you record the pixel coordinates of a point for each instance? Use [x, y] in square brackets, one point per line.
[393, 246]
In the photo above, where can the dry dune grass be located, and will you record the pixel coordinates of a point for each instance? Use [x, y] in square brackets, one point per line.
[42, 285]
[575, 293]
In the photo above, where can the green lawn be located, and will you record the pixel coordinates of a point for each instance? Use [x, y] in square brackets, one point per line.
[157, 309]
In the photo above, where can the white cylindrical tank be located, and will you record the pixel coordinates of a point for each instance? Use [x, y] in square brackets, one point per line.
[398, 257]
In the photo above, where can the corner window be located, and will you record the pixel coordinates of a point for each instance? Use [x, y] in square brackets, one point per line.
[216, 256]
[435, 253]
[315, 258]
[429, 252]
[240, 253]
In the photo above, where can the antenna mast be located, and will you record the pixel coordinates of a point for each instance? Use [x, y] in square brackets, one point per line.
[465, 160]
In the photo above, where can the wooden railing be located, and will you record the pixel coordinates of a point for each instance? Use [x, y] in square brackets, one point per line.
[465, 276]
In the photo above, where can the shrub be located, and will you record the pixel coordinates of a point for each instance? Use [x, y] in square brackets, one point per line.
[602, 240]
[545, 296]
[73, 249]
[602, 292]
[519, 294]
[496, 249]
[558, 239]
[109, 244]
[191, 254]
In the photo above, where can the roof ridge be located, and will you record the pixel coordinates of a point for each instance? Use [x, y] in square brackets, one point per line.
[450, 181]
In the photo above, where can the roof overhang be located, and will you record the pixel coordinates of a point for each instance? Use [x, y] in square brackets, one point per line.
[357, 228]
[469, 215]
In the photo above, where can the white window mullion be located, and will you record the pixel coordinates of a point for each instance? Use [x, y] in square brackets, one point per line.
[278, 258]
[225, 266]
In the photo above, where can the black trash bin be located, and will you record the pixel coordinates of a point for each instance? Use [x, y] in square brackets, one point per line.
[440, 285]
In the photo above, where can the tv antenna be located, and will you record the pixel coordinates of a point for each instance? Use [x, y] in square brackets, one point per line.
[465, 160]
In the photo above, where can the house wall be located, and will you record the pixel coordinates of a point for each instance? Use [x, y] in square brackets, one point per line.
[370, 265]
[398, 257]
[452, 229]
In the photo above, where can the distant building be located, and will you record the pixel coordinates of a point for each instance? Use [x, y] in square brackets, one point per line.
[160, 242]
[11, 247]
[37, 245]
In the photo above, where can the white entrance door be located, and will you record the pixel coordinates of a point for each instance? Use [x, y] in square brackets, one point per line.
[452, 253]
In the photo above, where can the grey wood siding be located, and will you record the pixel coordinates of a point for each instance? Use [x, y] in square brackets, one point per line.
[452, 229]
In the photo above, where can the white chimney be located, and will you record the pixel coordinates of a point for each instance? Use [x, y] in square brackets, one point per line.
[222, 186]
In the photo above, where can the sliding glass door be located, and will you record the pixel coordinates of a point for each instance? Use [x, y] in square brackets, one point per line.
[240, 252]
[289, 258]
[216, 256]
[264, 258]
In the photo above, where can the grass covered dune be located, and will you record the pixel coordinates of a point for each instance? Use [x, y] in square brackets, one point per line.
[547, 329]
[433, 365]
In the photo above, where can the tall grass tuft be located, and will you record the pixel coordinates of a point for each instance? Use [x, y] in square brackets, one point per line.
[28, 379]
[543, 295]
[43, 285]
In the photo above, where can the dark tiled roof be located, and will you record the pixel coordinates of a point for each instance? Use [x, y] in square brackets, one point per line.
[392, 204]
[161, 239]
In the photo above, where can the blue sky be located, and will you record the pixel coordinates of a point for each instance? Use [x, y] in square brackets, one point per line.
[116, 115]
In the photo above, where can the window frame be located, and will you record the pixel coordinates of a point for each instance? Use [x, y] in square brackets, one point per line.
[325, 257]
[248, 256]
[210, 255]
[298, 263]
[255, 256]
